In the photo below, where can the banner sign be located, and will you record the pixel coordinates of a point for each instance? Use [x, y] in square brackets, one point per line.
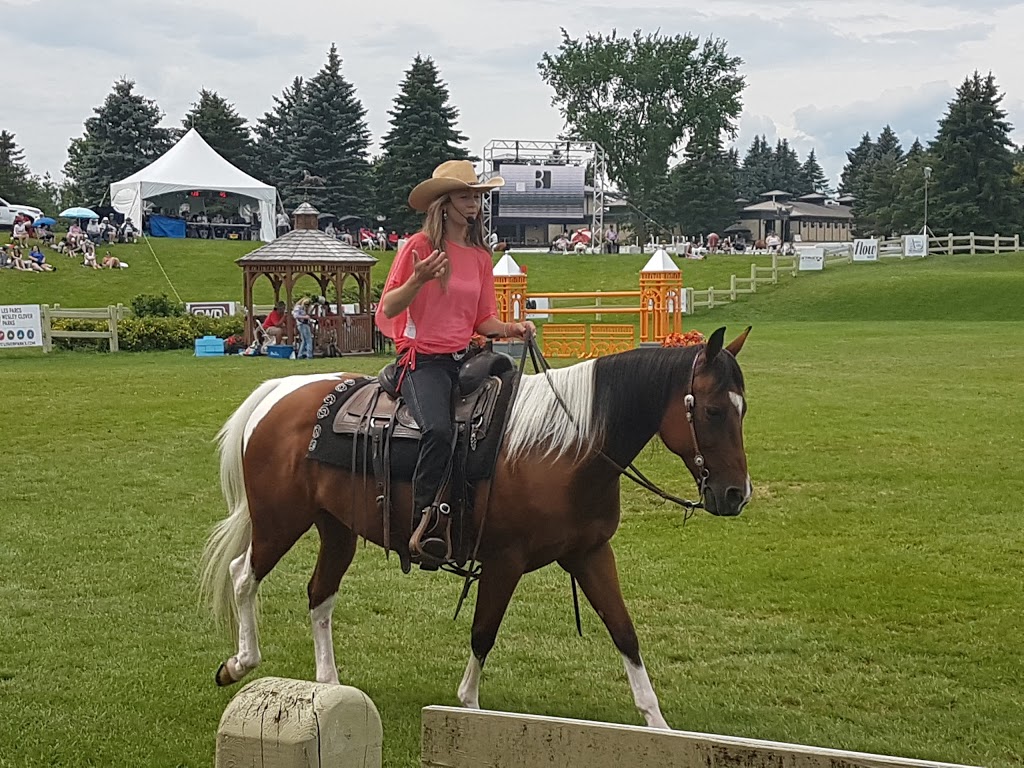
[915, 245]
[812, 259]
[542, 192]
[211, 308]
[865, 250]
[21, 325]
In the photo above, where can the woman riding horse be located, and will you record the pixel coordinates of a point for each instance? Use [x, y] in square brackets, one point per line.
[431, 306]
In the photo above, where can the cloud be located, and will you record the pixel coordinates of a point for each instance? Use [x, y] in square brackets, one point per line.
[818, 74]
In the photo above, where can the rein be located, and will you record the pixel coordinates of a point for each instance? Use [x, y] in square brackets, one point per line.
[630, 470]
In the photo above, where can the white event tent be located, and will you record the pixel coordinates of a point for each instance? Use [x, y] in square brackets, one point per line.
[192, 164]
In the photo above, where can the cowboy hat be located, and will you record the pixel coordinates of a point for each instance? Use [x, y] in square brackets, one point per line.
[449, 176]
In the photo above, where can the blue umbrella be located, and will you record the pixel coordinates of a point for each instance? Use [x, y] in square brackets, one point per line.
[78, 213]
[44, 221]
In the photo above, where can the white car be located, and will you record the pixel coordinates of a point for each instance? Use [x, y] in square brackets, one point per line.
[9, 210]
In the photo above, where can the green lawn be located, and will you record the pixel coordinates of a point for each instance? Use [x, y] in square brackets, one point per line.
[205, 270]
[868, 598]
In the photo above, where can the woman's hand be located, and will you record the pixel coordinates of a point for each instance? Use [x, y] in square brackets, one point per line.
[430, 268]
[525, 330]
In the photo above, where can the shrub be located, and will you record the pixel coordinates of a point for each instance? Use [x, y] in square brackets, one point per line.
[148, 305]
[149, 334]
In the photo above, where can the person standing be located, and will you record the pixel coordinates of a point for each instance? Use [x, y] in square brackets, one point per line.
[303, 323]
[439, 292]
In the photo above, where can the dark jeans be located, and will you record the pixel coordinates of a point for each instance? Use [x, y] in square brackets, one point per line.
[430, 391]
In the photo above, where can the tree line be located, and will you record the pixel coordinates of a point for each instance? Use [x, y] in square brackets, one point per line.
[662, 107]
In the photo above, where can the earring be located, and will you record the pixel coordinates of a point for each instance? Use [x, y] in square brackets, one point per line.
[444, 214]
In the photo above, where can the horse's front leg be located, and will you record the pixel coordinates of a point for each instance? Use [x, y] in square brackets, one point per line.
[497, 583]
[599, 580]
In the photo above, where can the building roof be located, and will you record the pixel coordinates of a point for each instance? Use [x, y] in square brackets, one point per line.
[812, 197]
[305, 207]
[307, 245]
[800, 210]
[846, 199]
[775, 193]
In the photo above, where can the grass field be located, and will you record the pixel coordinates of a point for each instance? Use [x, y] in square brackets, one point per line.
[868, 598]
[204, 270]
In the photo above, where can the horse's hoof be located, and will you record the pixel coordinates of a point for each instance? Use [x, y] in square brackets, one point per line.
[223, 676]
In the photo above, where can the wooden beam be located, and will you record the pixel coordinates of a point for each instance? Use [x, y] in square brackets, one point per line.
[463, 738]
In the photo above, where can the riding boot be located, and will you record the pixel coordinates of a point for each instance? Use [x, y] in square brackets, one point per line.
[431, 540]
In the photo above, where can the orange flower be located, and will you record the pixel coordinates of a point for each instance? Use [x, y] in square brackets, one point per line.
[688, 339]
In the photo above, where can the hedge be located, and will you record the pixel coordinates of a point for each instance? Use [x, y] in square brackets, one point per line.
[149, 334]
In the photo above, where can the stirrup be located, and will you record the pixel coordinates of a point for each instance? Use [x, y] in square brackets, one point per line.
[431, 540]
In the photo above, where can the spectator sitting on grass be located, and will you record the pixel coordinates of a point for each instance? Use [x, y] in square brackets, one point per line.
[89, 258]
[111, 262]
[38, 260]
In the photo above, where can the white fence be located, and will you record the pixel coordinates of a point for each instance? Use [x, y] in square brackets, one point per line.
[843, 253]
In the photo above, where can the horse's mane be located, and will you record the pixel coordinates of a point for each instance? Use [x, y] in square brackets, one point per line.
[619, 395]
[539, 420]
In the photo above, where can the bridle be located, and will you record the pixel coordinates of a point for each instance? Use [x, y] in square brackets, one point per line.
[630, 470]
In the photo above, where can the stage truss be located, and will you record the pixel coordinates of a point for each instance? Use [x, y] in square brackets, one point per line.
[590, 153]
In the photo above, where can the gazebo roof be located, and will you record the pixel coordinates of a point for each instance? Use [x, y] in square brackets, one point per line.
[305, 207]
[775, 193]
[307, 246]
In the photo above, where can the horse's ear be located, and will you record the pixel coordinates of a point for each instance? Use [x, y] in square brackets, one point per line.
[714, 345]
[737, 344]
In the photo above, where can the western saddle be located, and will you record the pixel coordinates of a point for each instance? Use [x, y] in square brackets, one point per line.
[375, 415]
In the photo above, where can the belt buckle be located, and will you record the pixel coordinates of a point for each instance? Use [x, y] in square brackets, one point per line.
[456, 356]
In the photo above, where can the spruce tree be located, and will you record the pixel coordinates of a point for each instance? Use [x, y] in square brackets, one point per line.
[219, 123]
[785, 171]
[813, 175]
[856, 161]
[702, 189]
[332, 142]
[755, 174]
[15, 179]
[275, 131]
[422, 135]
[908, 202]
[123, 136]
[855, 177]
[877, 200]
[973, 189]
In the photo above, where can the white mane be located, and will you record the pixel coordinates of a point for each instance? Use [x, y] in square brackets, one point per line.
[539, 421]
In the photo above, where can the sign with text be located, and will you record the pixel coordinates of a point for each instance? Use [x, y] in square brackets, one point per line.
[865, 250]
[211, 308]
[21, 325]
[541, 192]
[915, 245]
[811, 259]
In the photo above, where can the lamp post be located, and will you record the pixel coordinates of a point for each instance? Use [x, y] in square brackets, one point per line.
[927, 175]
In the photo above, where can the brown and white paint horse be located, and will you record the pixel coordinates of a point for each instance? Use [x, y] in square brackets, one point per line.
[554, 497]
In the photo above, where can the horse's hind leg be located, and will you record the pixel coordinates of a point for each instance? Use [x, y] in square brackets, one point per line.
[248, 657]
[337, 548]
[247, 571]
[599, 580]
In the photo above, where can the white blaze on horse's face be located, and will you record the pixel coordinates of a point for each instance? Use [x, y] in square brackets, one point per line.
[737, 400]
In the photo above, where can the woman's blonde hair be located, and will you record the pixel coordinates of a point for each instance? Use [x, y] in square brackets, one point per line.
[434, 225]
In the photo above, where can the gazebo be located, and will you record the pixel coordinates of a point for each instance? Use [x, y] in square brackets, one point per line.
[305, 250]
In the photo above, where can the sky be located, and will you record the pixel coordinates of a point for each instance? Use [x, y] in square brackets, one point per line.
[819, 73]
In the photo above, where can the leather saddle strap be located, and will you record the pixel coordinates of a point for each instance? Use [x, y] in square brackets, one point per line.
[386, 480]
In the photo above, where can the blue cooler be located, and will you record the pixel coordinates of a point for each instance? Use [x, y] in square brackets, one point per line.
[283, 351]
[209, 346]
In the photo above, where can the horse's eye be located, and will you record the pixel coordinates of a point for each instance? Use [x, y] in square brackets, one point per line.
[713, 412]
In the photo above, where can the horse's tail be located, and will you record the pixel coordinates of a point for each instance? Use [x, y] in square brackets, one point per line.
[232, 536]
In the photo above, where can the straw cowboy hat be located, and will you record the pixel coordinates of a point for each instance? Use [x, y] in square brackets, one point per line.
[449, 176]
